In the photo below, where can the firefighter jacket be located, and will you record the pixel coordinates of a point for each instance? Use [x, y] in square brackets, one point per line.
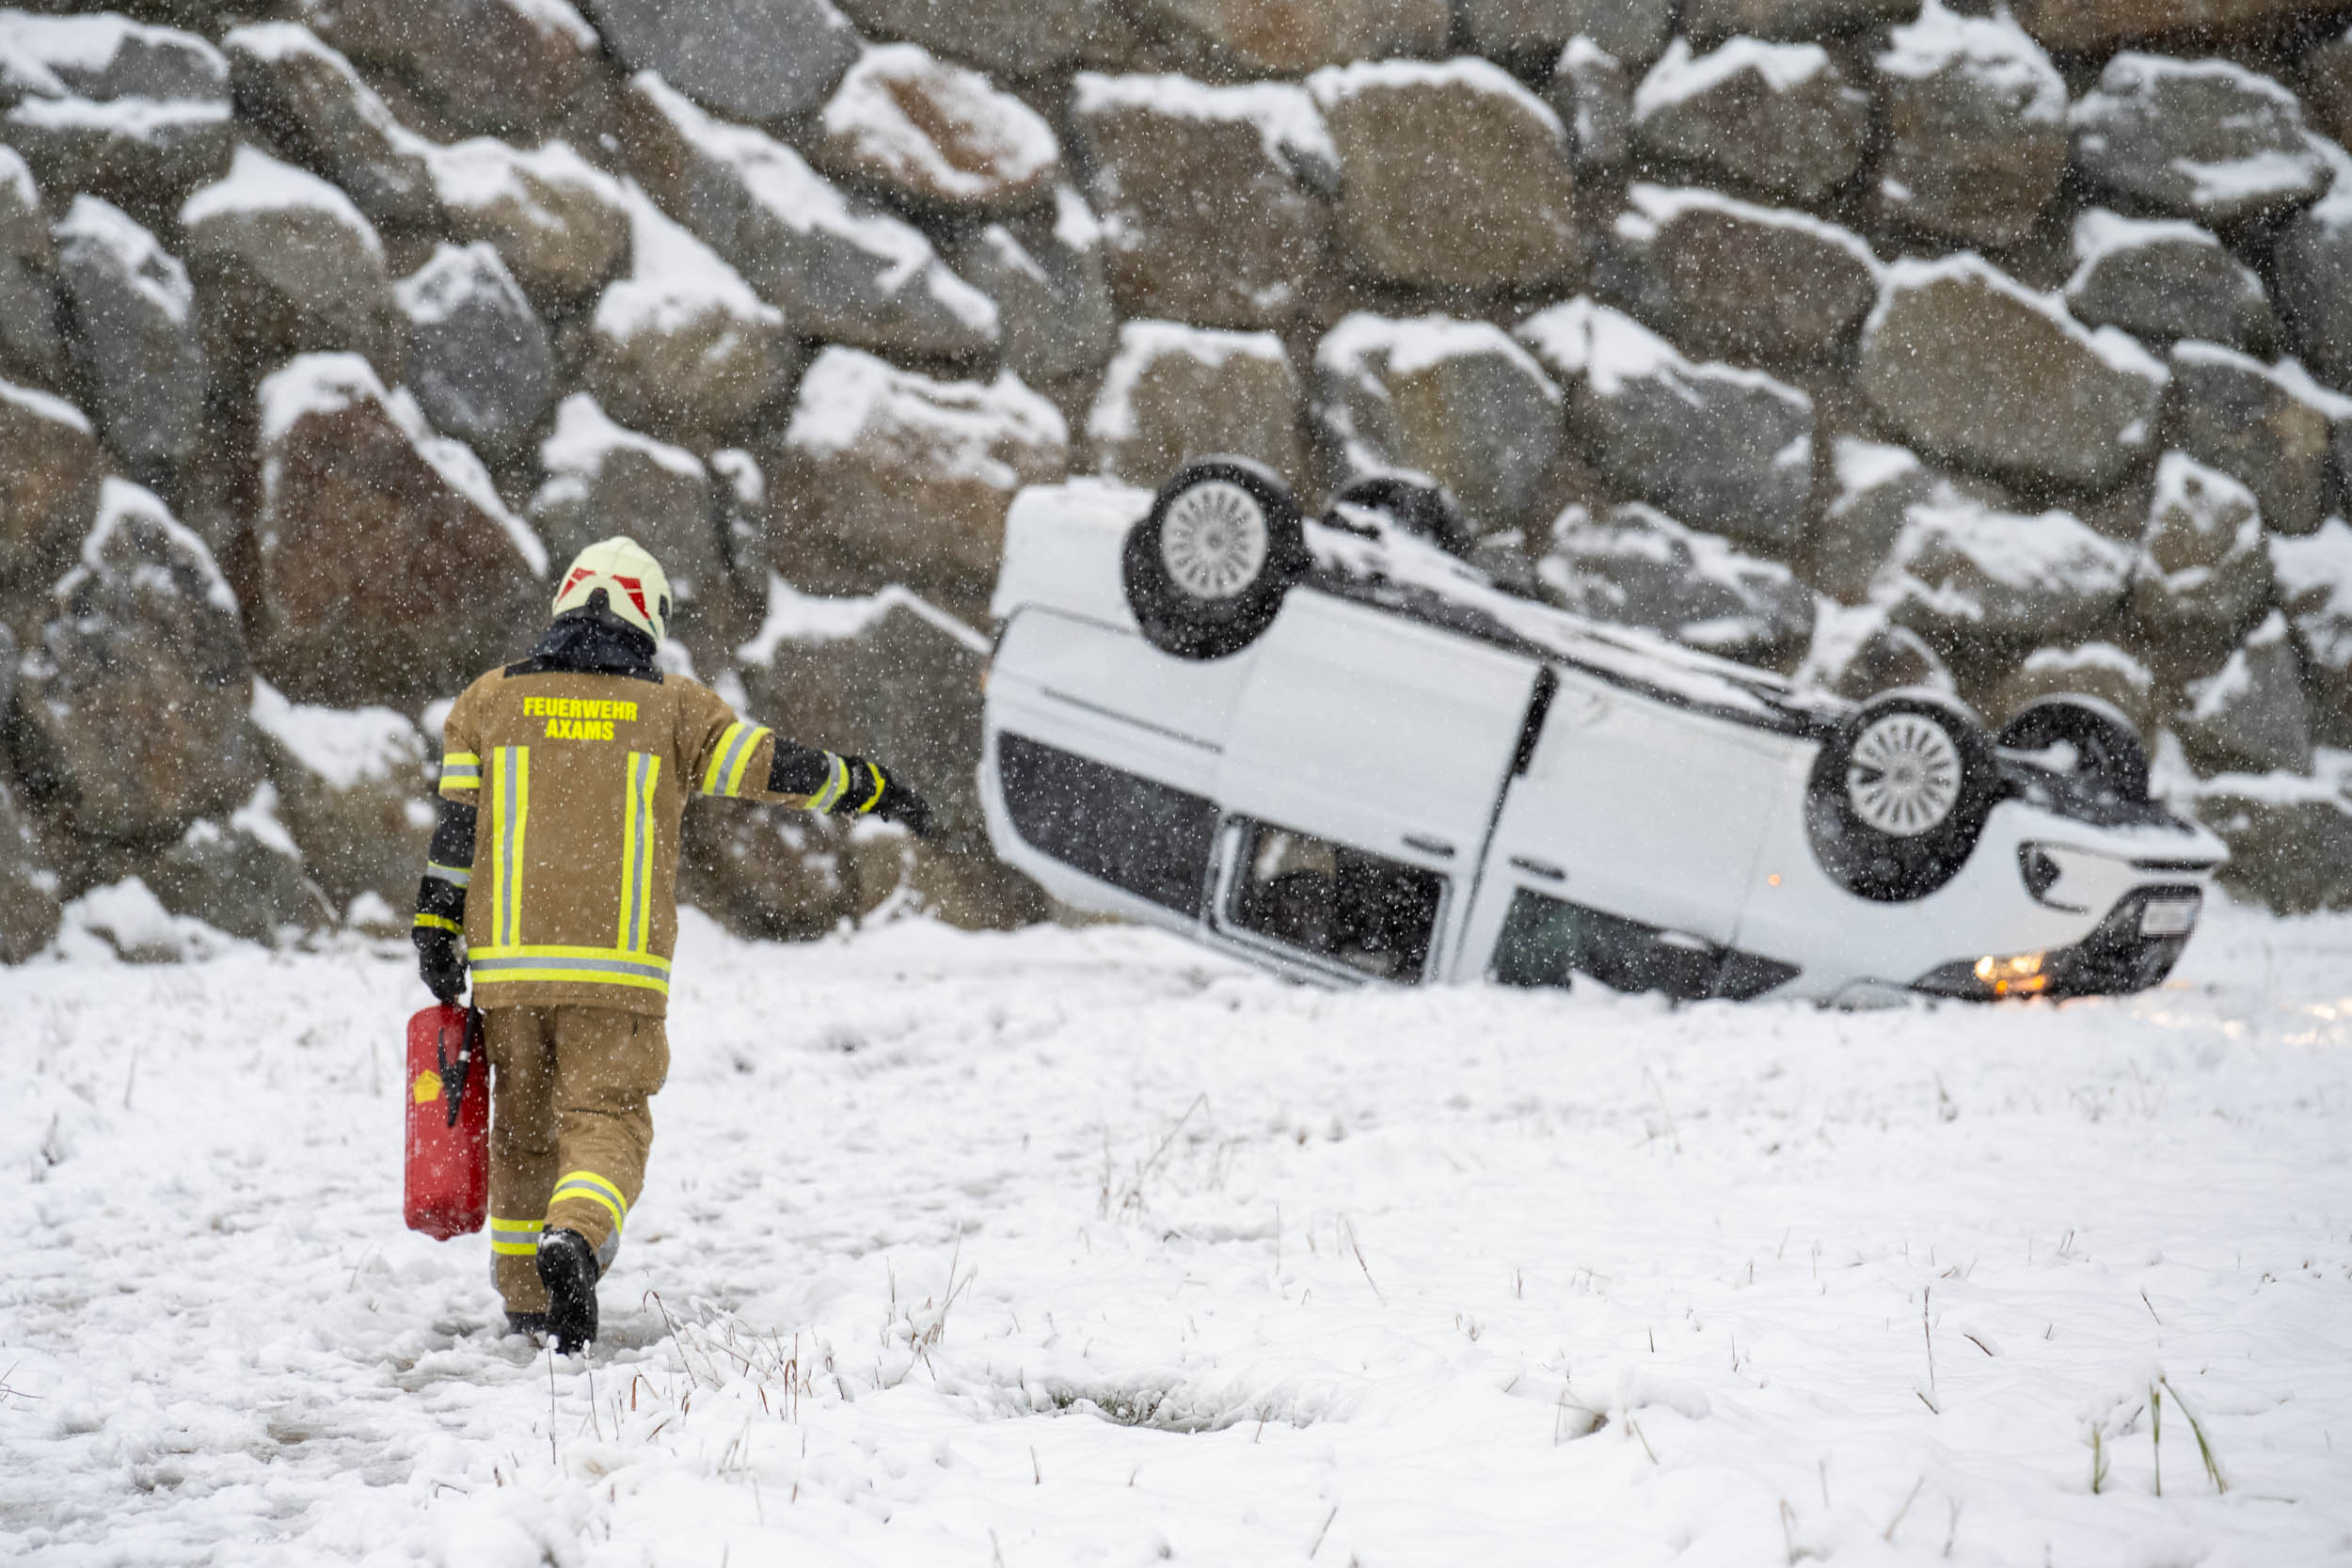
[561, 792]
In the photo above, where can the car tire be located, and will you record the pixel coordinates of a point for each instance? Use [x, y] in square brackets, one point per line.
[2109, 753]
[1415, 503]
[1900, 795]
[1208, 565]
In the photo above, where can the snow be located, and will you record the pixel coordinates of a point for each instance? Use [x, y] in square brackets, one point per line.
[585, 435]
[1011, 143]
[258, 819]
[559, 17]
[2314, 576]
[484, 173]
[2099, 233]
[1413, 346]
[142, 119]
[1075, 227]
[1651, 208]
[1679, 77]
[1143, 342]
[16, 180]
[1861, 466]
[1288, 123]
[153, 271]
[744, 482]
[60, 55]
[257, 182]
[2215, 695]
[1024, 1214]
[121, 503]
[44, 405]
[675, 280]
[1580, 340]
[454, 279]
[797, 617]
[851, 399]
[126, 921]
[2118, 349]
[343, 747]
[1333, 85]
[2000, 56]
[2124, 105]
[2045, 551]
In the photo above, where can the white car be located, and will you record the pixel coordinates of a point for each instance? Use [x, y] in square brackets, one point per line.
[1334, 749]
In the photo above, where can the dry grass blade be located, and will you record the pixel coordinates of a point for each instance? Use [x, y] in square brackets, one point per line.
[1888, 1535]
[2197, 1430]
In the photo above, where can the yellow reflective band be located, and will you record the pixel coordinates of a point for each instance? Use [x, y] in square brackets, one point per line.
[880, 784]
[515, 1238]
[438, 923]
[510, 813]
[515, 1250]
[455, 875]
[747, 747]
[470, 780]
[461, 770]
[519, 1228]
[594, 966]
[637, 837]
[719, 755]
[587, 1185]
[454, 759]
[836, 784]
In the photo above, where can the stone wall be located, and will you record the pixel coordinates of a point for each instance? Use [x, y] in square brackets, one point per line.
[1876, 340]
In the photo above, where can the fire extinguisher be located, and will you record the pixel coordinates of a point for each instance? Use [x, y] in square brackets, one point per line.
[448, 1173]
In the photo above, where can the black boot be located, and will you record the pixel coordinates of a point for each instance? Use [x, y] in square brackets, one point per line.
[567, 1267]
[530, 1325]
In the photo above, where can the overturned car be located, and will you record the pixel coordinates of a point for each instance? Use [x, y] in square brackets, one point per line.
[1330, 748]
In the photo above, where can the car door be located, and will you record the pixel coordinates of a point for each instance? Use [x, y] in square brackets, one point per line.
[1365, 759]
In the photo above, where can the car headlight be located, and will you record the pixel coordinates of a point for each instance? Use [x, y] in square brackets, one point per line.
[2015, 974]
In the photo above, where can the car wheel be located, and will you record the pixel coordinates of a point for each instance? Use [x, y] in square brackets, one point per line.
[2107, 753]
[1207, 567]
[1415, 503]
[1899, 794]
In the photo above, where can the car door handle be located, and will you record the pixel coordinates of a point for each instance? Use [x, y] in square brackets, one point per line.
[1429, 846]
[1539, 868]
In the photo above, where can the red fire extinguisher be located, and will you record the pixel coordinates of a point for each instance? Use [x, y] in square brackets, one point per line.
[448, 1181]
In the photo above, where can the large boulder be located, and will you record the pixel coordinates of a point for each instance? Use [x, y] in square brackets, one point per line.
[131, 711]
[285, 263]
[1451, 176]
[1974, 127]
[2204, 139]
[136, 114]
[682, 346]
[838, 268]
[1516, 29]
[1592, 94]
[2250, 716]
[506, 68]
[1045, 273]
[2203, 576]
[1632, 32]
[1970, 365]
[50, 464]
[1637, 566]
[2312, 266]
[1012, 37]
[1288, 37]
[134, 333]
[1777, 118]
[2099, 669]
[769, 876]
[1789, 19]
[2290, 840]
[367, 517]
[2164, 280]
[936, 136]
[1209, 196]
[559, 223]
[30, 343]
[2089, 26]
[1982, 584]
[1728, 277]
[908, 476]
[745, 59]
[604, 479]
[1858, 653]
[2271, 426]
[1723, 449]
[353, 789]
[322, 116]
[243, 877]
[479, 358]
[28, 891]
[1876, 485]
[1173, 393]
[1456, 400]
[2314, 578]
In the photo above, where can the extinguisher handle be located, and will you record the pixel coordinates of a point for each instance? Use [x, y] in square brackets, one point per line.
[466, 1054]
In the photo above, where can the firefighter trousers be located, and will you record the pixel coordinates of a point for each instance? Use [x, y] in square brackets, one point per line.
[570, 1129]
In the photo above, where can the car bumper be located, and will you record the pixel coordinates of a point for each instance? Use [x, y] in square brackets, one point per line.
[2133, 949]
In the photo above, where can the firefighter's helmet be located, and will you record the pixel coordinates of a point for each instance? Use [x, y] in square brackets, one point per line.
[634, 585]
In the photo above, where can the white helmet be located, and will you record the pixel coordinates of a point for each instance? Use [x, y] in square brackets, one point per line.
[635, 586]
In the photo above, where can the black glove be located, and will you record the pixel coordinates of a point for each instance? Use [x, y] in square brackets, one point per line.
[443, 970]
[874, 793]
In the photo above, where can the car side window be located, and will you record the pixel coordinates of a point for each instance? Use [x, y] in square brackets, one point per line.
[1131, 832]
[1546, 940]
[1365, 910]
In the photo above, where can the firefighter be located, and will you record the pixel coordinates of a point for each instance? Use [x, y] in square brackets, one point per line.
[564, 779]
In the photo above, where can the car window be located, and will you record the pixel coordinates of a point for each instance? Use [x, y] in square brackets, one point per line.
[1546, 940]
[1151, 840]
[1365, 910]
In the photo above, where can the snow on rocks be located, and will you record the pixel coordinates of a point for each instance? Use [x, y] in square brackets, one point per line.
[131, 707]
[479, 358]
[134, 332]
[1857, 653]
[2314, 578]
[136, 114]
[1456, 400]
[1209, 197]
[603, 478]
[683, 346]
[559, 223]
[1876, 486]
[775, 876]
[322, 116]
[1778, 118]
[1636, 567]
[2164, 279]
[1728, 277]
[2099, 669]
[1979, 583]
[907, 476]
[1291, 36]
[1451, 175]
[1594, 96]
[2290, 836]
[28, 889]
[1012, 37]
[1045, 273]
[353, 787]
[285, 263]
[2204, 139]
[30, 343]
[838, 268]
[2312, 259]
[1174, 391]
[2270, 425]
[2204, 576]
[2250, 716]
[489, 66]
[366, 515]
[1515, 29]
[236, 882]
[50, 464]
[744, 59]
[936, 135]
[1969, 364]
[1974, 125]
[1720, 447]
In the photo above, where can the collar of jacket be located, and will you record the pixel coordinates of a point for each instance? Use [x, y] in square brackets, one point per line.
[592, 640]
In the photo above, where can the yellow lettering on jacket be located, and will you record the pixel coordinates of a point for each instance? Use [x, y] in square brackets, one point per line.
[580, 729]
[579, 707]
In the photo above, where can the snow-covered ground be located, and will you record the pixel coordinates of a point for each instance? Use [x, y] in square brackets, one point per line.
[1083, 1247]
